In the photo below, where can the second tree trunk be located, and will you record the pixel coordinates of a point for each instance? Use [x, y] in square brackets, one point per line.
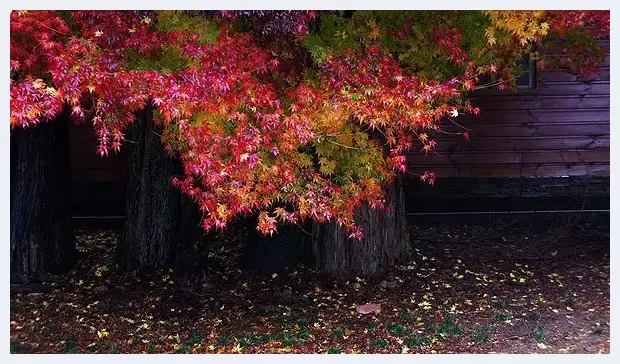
[156, 217]
[385, 242]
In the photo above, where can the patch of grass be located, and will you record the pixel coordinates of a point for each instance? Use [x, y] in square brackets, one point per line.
[194, 338]
[399, 330]
[372, 325]
[480, 336]
[418, 341]
[224, 340]
[284, 335]
[441, 332]
[93, 348]
[499, 304]
[150, 349]
[333, 351]
[303, 334]
[502, 317]
[540, 334]
[286, 338]
[52, 327]
[261, 339]
[16, 347]
[245, 341]
[457, 330]
[381, 343]
[68, 347]
[448, 327]
[338, 332]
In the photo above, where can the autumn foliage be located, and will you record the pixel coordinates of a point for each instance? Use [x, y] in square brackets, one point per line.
[292, 115]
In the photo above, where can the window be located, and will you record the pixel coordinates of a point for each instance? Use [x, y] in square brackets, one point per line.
[527, 80]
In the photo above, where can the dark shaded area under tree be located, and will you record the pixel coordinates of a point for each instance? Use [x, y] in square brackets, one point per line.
[273, 254]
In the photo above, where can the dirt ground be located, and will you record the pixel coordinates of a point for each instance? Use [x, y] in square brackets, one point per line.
[506, 287]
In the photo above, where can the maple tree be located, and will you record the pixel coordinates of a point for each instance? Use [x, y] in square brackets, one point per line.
[257, 126]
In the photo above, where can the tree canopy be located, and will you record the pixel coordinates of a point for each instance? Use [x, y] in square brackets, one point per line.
[289, 114]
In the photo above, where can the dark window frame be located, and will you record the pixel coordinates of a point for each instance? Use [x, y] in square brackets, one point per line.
[530, 76]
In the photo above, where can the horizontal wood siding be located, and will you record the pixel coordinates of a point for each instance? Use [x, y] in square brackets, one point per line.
[90, 166]
[98, 182]
[559, 129]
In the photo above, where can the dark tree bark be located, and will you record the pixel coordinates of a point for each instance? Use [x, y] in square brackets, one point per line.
[385, 242]
[157, 217]
[42, 240]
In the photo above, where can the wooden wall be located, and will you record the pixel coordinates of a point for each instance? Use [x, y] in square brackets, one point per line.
[561, 128]
[98, 182]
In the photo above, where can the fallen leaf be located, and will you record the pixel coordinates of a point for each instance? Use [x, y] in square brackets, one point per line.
[368, 308]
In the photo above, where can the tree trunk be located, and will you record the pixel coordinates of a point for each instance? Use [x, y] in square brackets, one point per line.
[385, 242]
[155, 212]
[42, 240]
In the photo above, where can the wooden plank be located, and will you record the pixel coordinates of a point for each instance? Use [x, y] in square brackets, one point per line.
[442, 159]
[511, 203]
[562, 116]
[558, 53]
[522, 143]
[529, 102]
[568, 102]
[553, 88]
[548, 170]
[482, 130]
[565, 75]
[512, 187]
[504, 158]
[604, 64]
[574, 88]
[565, 156]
